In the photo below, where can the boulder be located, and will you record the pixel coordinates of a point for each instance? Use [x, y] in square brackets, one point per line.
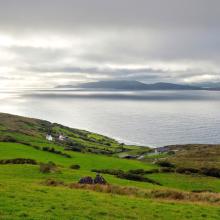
[99, 179]
[86, 180]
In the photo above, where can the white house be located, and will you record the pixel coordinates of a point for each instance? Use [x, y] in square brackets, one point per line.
[49, 137]
[61, 137]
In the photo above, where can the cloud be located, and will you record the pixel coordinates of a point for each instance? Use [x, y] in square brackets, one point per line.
[73, 14]
[52, 42]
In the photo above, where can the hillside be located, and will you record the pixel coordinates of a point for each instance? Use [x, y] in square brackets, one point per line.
[194, 155]
[39, 178]
[34, 131]
[131, 85]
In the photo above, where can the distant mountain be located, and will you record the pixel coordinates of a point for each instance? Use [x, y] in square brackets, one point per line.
[208, 85]
[65, 86]
[114, 84]
[131, 85]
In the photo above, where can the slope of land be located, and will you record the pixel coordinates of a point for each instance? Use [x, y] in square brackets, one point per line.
[136, 189]
[29, 130]
[192, 155]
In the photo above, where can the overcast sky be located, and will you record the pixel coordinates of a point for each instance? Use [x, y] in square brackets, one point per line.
[51, 42]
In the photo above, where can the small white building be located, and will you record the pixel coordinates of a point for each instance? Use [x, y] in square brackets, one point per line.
[49, 137]
[61, 137]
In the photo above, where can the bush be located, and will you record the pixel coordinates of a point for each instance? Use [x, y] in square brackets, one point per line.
[137, 171]
[143, 172]
[136, 177]
[166, 170]
[187, 170]
[18, 161]
[215, 172]
[86, 180]
[7, 139]
[75, 166]
[108, 171]
[100, 180]
[164, 163]
[152, 171]
[74, 148]
[48, 167]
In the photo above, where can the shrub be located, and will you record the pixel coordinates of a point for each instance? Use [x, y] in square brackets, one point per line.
[136, 177]
[164, 163]
[18, 161]
[75, 166]
[7, 139]
[48, 167]
[108, 171]
[100, 180]
[187, 170]
[215, 172]
[142, 171]
[86, 180]
[137, 171]
[152, 171]
[166, 170]
[74, 148]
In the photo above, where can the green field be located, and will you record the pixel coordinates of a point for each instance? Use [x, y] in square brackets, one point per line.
[24, 194]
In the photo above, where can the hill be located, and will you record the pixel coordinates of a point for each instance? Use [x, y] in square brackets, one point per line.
[39, 178]
[131, 85]
[194, 155]
[28, 130]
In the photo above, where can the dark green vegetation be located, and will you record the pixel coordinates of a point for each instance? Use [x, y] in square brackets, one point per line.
[38, 178]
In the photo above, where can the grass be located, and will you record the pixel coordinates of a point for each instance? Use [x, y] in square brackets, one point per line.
[187, 182]
[196, 156]
[85, 160]
[24, 196]
[22, 199]
[33, 131]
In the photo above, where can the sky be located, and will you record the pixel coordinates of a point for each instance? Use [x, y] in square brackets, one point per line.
[45, 43]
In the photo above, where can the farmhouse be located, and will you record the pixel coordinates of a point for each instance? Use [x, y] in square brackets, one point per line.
[49, 137]
[61, 137]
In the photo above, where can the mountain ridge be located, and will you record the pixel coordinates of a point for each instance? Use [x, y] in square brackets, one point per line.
[131, 85]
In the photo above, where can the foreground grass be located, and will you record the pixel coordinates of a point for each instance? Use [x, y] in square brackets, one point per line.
[25, 196]
[187, 182]
[24, 200]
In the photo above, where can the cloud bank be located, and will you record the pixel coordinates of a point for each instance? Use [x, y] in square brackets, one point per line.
[52, 42]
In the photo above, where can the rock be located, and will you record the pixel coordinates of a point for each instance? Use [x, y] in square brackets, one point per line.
[86, 180]
[99, 179]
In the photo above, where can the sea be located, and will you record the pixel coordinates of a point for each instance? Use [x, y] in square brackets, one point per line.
[146, 118]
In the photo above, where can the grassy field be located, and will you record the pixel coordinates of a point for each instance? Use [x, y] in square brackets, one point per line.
[25, 196]
[87, 161]
[20, 200]
[187, 182]
[194, 155]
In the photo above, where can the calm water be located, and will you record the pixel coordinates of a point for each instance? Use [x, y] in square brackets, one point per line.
[153, 118]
